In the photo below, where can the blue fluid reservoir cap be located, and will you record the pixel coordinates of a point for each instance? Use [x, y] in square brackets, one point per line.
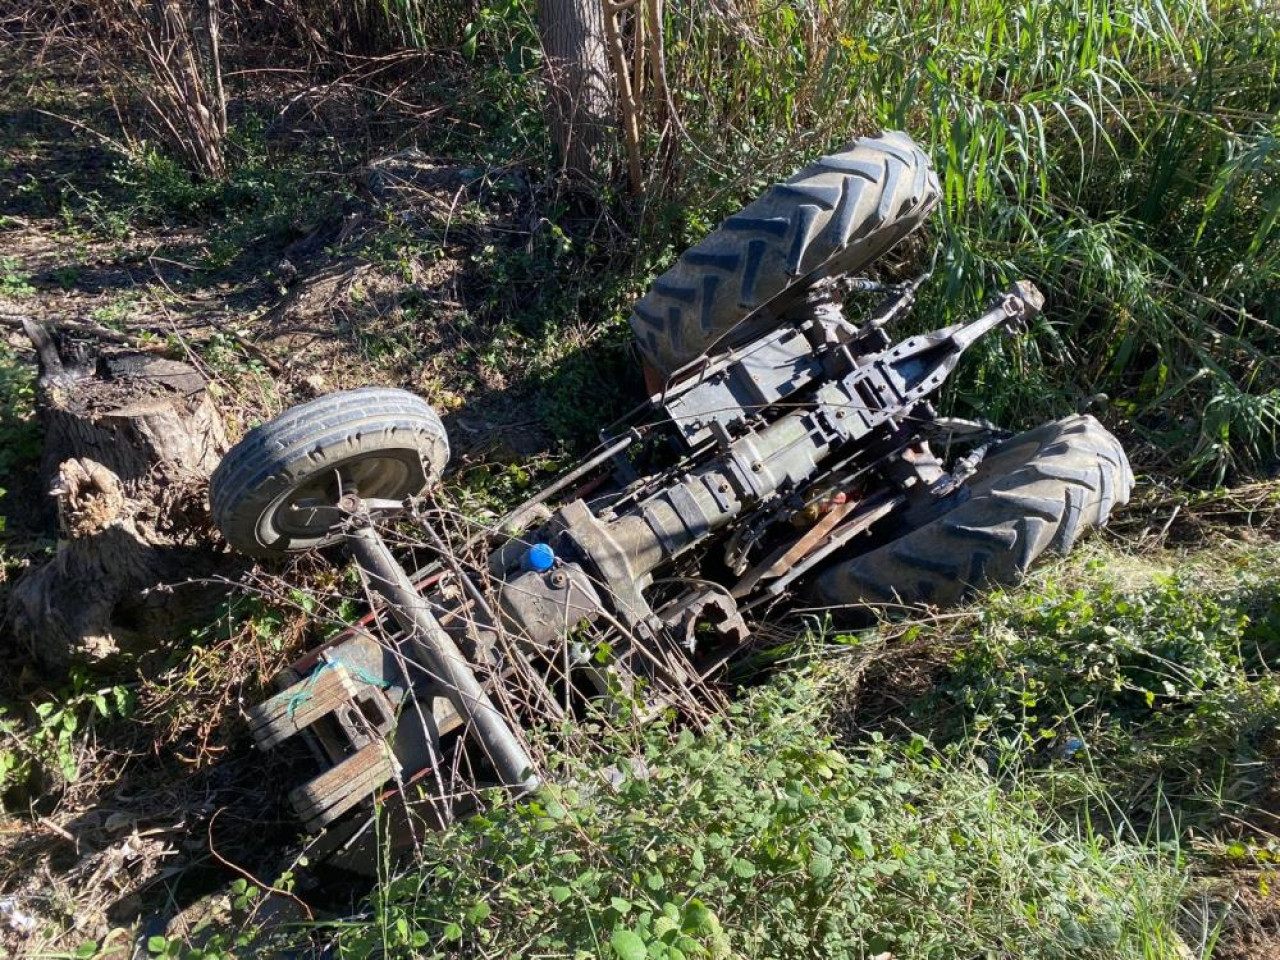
[540, 557]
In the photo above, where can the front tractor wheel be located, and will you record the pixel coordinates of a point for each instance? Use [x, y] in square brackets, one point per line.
[278, 489]
[1036, 492]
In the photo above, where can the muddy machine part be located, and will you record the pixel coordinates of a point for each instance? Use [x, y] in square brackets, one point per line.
[782, 456]
[364, 701]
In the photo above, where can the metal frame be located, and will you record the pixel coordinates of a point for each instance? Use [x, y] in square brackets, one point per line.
[788, 448]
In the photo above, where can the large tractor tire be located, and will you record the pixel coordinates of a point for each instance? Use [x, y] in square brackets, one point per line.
[833, 217]
[1034, 493]
[277, 490]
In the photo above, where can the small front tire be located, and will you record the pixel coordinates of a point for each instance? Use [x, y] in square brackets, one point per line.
[278, 489]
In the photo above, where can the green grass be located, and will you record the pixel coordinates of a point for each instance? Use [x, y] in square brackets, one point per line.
[1153, 689]
[765, 838]
[14, 282]
[1123, 155]
[20, 435]
[1086, 756]
[20, 442]
[265, 202]
[761, 839]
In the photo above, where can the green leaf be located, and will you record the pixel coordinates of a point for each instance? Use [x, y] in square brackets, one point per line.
[452, 932]
[560, 894]
[555, 810]
[157, 945]
[698, 918]
[480, 912]
[622, 906]
[820, 866]
[627, 945]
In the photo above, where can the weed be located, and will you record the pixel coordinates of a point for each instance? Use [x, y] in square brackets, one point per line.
[490, 489]
[14, 282]
[264, 200]
[113, 315]
[46, 740]
[249, 643]
[760, 839]
[1162, 691]
[19, 430]
[65, 277]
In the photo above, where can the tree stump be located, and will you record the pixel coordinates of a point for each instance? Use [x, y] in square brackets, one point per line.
[130, 441]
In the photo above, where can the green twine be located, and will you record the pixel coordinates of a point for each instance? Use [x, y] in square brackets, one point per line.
[304, 692]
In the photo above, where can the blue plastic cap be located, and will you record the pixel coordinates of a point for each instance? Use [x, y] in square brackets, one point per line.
[540, 557]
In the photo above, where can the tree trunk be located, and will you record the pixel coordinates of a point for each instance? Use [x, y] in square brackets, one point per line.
[129, 445]
[581, 108]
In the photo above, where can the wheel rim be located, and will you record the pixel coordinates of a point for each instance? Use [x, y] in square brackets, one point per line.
[308, 509]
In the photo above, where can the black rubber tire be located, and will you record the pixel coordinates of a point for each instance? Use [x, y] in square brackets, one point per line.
[831, 218]
[392, 433]
[1036, 492]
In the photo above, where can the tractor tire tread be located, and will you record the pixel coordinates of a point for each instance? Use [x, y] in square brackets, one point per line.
[832, 217]
[1037, 492]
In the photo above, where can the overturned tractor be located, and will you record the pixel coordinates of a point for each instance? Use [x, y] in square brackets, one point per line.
[790, 448]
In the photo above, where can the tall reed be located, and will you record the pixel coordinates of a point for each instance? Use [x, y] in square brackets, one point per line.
[1123, 153]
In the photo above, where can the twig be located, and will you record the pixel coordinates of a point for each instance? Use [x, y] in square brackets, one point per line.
[79, 125]
[1168, 523]
[73, 326]
[249, 876]
[60, 831]
[215, 57]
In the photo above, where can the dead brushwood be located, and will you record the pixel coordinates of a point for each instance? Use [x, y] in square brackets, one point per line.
[183, 84]
[1167, 515]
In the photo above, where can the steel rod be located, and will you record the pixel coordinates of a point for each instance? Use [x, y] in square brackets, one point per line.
[441, 656]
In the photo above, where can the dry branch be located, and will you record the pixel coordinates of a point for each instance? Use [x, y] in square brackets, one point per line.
[626, 97]
[185, 98]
